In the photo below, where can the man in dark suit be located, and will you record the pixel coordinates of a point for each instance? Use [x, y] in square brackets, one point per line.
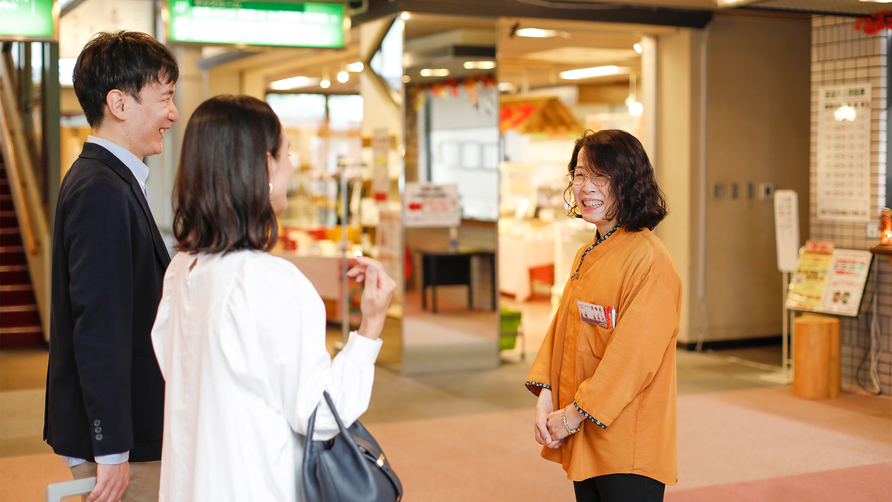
[105, 393]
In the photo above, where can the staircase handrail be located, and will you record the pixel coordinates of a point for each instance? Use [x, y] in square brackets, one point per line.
[33, 222]
[20, 170]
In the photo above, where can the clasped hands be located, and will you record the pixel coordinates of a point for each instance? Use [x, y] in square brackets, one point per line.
[549, 427]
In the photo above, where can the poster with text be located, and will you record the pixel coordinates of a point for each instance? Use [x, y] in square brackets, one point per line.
[845, 282]
[431, 205]
[807, 287]
[843, 156]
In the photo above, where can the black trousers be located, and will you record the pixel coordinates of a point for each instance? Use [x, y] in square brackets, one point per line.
[619, 488]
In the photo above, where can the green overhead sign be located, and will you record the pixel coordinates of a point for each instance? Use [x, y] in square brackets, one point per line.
[275, 23]
[27, 20]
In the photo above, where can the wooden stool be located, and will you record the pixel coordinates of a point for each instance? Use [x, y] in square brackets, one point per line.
[816, 360]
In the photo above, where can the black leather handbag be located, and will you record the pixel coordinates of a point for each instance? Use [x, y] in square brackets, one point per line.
[347, 468]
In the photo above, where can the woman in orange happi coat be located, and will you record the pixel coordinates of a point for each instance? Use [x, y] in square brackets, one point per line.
[605, 374]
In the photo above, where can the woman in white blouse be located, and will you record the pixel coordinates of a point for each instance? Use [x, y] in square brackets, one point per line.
[240, 334]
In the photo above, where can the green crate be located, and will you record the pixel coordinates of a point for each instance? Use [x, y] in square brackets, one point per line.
[507, 342]
[509, 326]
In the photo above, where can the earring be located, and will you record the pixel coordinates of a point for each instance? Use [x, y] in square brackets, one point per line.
[270, 188]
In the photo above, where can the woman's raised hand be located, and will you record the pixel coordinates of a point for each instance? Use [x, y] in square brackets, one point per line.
[376, 295]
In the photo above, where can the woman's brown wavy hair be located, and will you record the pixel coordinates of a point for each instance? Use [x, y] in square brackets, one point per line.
[638, 202]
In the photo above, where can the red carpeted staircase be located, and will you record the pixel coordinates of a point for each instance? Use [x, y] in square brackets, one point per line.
[19, 318]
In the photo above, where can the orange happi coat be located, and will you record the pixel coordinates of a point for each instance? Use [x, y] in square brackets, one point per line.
[623, 377]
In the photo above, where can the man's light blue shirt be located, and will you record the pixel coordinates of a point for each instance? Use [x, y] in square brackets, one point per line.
[137, 167]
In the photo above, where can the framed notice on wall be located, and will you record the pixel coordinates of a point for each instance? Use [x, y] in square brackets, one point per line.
[843, 144]
[829, 281]
[431, 205]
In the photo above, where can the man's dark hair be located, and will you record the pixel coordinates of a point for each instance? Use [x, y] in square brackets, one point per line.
[123, 60]
[221, 192]
[638, 202]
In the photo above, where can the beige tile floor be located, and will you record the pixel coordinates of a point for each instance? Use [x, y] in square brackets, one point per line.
[416, 400]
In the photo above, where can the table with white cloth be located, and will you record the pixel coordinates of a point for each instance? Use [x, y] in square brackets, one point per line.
[519, 254]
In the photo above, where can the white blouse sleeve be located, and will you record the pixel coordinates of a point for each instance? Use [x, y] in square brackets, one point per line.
[161, 328]
[289, 318]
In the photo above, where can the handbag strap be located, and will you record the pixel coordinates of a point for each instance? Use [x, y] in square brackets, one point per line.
[311, 426]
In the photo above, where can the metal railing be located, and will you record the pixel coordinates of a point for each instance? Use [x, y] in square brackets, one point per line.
[32, 219]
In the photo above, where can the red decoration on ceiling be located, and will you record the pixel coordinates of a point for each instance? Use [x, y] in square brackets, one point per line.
[874, 23]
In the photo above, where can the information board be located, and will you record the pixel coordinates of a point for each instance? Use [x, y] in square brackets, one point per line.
[843, 144]
[829, 281]
[33, 20]
[431, 205]
[269, 22]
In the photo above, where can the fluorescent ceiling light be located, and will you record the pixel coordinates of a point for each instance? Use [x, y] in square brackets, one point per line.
[597, 71]
[480, 65]
[355, 67]
[535, 33]
[434, 72]
[289, 83]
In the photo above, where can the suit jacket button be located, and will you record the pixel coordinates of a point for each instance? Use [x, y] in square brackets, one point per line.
[95, 423]
[97, 429]
[98, 437]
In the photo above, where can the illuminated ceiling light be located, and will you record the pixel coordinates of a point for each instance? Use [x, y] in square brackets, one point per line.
[597, 71]
[639, 50]
[289, 83]
[535, 33]
[406, 79]
[480, 65]
[434, 72]
[844, 112]
[506, 86]
[405, 16]
[343, 77]
[355, 67]
[325, 84]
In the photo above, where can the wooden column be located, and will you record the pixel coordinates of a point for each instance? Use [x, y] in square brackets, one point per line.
[816, 359]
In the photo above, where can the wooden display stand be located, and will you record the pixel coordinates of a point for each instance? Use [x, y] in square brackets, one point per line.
[816, 359]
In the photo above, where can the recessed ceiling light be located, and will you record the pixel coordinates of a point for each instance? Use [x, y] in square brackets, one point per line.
[343, 77]
[325, 84]
[480, 65]
[505, 86]
[355, 67]
[638, 48]
[289, 83]
[597, 71]
[405, 16]
[535, 33]
[434, 72]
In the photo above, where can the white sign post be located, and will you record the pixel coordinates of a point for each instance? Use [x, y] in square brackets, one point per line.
[786, 230]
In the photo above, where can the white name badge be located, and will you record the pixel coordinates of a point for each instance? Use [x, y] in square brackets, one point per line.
[597, 314]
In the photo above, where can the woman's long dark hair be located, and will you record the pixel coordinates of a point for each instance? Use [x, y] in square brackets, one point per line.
[221, 192]
[638, 202]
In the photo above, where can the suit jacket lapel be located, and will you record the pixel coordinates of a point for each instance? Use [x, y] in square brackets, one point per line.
[94, 151]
